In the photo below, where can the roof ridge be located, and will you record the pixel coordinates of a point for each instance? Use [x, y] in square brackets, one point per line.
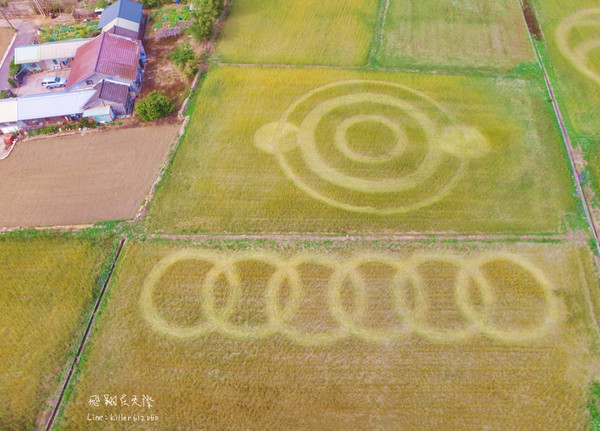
[103, 36]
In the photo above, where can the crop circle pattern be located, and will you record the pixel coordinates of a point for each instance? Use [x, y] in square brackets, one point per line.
[428, 157]
[579, 54]
[407, 281]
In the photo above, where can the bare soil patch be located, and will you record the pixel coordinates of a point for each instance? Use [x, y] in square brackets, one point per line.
[102, 175]
[6, 35]
[161, 74]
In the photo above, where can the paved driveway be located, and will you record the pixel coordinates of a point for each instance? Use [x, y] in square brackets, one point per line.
[32, 83]
[26, 33]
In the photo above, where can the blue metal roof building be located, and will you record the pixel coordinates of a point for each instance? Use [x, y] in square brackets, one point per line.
[123, 17]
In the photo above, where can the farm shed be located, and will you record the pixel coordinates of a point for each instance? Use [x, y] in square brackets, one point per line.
[52, 55]
[107, 56]
[124, 17]
[52, 105]
[102, 114]
[8, 116]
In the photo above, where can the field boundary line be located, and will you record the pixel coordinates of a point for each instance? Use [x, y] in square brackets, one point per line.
[565, 134]
[85, 336]
[378, 31]
[366, 68]
[367, 237]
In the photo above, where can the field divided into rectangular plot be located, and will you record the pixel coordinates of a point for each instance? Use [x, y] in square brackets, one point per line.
[344, 337]
[335, 32]
[47, 287]
[571, 34]
[278, 150]
[463, 34]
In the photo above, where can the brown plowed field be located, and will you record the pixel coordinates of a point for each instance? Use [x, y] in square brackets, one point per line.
[77, 179]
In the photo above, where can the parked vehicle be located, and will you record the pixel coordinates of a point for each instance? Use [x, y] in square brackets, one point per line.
[54, 82]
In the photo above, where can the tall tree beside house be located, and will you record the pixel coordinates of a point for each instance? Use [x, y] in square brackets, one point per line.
[206, 14]
[154, 106]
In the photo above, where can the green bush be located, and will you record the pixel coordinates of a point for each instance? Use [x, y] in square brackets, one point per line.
[12, 83]
[3, 94]
[154, 106]
[184, 57]
[151, 4]
[182, 54]
[13, 68]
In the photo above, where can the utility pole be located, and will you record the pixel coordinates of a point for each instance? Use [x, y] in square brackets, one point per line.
[4, 15]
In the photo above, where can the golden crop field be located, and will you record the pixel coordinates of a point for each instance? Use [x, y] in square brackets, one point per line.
[571, 34]
[344, 337]
[47, 288]
[335, 32]
[280, 150]
[464, 34]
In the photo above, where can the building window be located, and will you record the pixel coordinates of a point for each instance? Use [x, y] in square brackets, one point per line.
[89, 82]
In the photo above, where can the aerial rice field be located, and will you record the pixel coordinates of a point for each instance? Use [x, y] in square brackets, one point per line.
[48, 284]
[571, 34]
[465, 34]
[348, 336]
[276, 150]
[335, 32]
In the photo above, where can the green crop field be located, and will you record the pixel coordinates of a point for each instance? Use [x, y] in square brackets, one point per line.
[343, 337]
[571, 34]
[278, 150]
[47, 287]
[335, 32]
[463, 34]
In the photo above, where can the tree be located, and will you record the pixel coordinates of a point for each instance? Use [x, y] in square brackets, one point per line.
[206, 14]
[154, 106]
[13, 68]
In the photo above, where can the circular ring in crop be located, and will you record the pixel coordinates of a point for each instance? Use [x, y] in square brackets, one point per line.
[330, 143]
[579, 53]
[409, 294]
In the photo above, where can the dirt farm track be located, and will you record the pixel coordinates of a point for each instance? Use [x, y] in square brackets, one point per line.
[77, 179]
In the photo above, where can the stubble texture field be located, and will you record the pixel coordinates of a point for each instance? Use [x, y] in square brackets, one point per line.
[335, 32]
[571, 33]
[346, 337]
[276, 150]
[461, 34]
[47, 289]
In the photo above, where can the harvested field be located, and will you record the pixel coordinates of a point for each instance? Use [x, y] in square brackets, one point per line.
[571, 34]
[328, 151]
[77, 179]
[335, 32]
[459, 34]
[345, 338]
[48, 287]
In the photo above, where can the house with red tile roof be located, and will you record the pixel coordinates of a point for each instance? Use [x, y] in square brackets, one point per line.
[107, 56]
